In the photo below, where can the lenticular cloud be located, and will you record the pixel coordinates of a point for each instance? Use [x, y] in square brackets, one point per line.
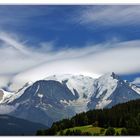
[21, 63]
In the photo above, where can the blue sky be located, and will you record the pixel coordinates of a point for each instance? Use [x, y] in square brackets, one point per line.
[56, 23]
[71, 28]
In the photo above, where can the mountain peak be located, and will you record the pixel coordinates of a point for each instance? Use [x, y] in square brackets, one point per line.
[115, 76]
[111, 74]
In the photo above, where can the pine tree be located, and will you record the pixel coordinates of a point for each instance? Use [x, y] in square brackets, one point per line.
[61, 133]
[124, 132]
[110, 131]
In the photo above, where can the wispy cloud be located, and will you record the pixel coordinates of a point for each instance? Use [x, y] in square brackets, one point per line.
[11, 42]
[21, 63]
[109, 15]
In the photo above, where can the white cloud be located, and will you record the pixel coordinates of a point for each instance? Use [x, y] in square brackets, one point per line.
[111, 15]
[13, 43]
[21, 63]
[15, 57]
[123, 58]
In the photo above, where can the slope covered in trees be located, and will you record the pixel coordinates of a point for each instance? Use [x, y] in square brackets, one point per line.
[126, 116]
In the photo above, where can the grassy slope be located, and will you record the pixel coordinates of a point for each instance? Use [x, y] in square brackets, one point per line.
[91, 129]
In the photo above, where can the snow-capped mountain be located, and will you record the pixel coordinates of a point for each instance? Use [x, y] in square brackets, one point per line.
[54, 98]
[83, 85]
[5, 95]
[45, 102]
[62, 96]
[110, 90]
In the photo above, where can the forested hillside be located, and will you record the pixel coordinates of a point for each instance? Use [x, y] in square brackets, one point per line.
[125, 116]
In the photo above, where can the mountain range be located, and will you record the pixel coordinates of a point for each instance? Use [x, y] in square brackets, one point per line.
[62, 96]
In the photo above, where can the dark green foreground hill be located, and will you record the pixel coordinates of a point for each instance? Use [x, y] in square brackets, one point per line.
[125, 116]
[14, 126]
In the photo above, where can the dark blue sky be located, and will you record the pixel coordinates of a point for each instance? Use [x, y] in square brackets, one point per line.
[66, 27]
[49, 23]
